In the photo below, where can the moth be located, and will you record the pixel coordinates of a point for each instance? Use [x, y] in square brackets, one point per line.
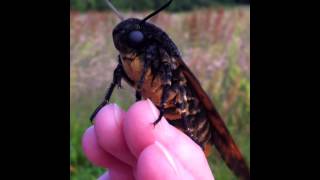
[150, 62]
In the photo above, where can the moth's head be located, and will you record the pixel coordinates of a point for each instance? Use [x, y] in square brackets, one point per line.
[133, 34]
[129, 35]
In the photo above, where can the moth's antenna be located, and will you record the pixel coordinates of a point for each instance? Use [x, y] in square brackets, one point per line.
[157, 11]
[115, 10]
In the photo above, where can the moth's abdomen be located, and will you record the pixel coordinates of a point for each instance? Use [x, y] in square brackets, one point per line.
[196, 117]
[180, 102]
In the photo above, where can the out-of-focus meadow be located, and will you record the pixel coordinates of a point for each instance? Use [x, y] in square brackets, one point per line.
[215, 43]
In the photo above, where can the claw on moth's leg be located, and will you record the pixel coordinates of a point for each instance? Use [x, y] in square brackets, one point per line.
[98, 109]
[117, 75]
[159, 117]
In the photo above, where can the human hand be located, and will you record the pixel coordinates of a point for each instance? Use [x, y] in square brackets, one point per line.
[131, 148]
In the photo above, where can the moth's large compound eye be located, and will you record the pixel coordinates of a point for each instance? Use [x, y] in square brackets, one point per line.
[136, 37]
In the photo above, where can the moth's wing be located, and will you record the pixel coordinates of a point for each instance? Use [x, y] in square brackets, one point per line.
[221, 137]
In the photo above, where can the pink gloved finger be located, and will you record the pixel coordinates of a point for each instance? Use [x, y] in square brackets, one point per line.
[140, 133]
[157, 163]
[138, 127]
[108, 127]
[96, 155]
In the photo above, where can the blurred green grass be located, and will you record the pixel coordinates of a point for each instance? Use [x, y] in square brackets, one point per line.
[215, 43]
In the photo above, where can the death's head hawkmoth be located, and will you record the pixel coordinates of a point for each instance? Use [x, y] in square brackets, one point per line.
[151, 63]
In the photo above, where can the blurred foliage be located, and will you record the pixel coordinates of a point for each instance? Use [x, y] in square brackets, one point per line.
[138, 5]
[215, 43]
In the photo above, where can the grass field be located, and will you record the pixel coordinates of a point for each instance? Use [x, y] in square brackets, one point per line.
[215, 43]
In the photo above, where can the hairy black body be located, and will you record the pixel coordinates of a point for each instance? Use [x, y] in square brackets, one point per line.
[151, 63]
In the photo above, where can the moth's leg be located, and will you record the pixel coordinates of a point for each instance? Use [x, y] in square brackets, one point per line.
[124, 75]
[138, 96]
[117, 76]
[141, 80]
[150, 55]
[155, 64]
[166, 78]
[166, 72]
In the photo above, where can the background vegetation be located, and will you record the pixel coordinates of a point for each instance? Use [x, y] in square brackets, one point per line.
[138, 5]
[214, 42]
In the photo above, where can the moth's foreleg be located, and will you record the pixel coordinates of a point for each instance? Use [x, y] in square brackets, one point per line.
[138, 96]
[149, 56]
[117, 76]
[167, 80]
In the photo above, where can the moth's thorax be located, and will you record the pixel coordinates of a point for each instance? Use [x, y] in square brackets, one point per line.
[152, 86]
[132, 65]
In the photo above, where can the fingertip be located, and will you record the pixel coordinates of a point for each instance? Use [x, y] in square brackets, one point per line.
[139, 129]
[108, 121]
[105, 112]
[143, 109]
[153, 108]
[108, 128]
[96, 155]
[91, 149]
[138, 126]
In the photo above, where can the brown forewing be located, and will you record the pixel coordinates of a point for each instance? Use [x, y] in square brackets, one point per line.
[221, 137]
